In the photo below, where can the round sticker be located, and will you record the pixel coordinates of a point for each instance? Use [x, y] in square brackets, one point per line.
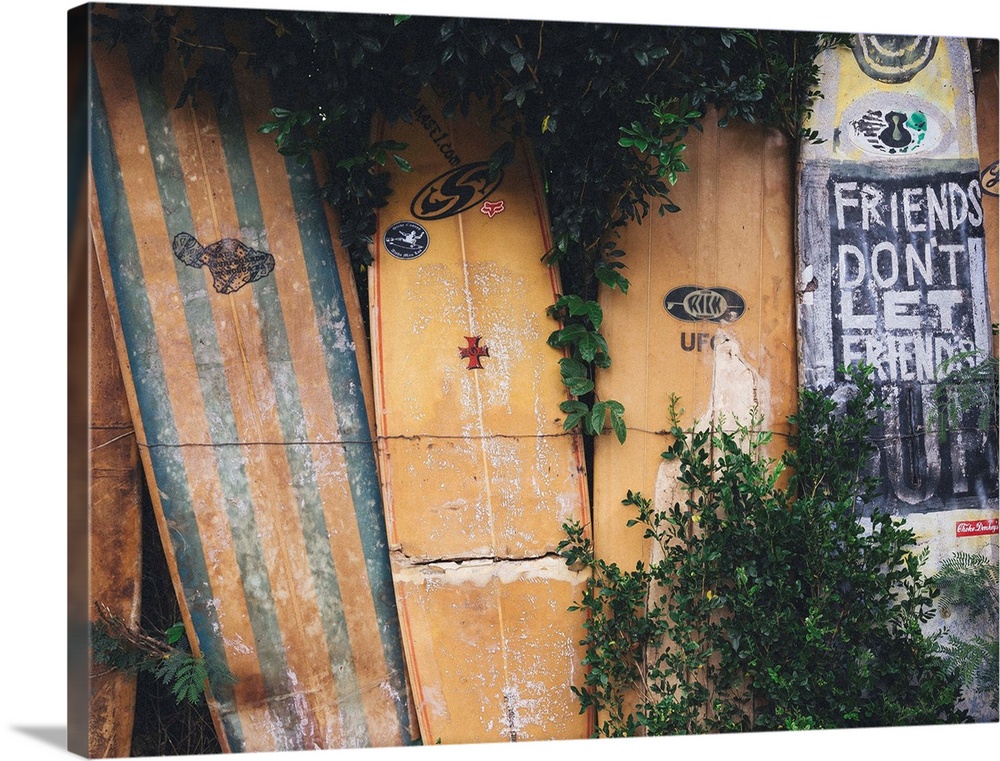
[406, 240]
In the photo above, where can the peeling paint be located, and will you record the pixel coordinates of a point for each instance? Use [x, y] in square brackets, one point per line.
[736, 387]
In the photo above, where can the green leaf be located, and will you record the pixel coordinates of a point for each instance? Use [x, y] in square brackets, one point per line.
[573, 406]
[402, 163]
[567, 336]
[612, 278]
[618, 425]
[595, 420]
[572, 368]
[588, 345]
[594, 313]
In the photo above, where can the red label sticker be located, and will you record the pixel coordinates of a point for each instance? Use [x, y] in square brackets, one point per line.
[489, 208]
[977, 528]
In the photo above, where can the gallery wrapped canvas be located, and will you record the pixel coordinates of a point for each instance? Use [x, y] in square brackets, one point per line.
[465, 380]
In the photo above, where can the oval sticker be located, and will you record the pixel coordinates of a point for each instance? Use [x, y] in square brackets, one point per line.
[896, 124]
[455, 191]
[694, 303]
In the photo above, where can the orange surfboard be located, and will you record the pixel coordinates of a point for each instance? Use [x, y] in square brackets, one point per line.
[989, 175]
[709, 316]
[479, 476]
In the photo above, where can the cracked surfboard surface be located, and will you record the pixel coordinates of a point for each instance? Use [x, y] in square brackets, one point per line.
[236, 324]
[479, 476]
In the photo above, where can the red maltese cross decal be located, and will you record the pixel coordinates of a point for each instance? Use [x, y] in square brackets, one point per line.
[491, 208]
[473, 352]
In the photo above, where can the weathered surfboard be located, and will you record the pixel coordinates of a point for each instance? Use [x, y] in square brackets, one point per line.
[238, 329]
[709, 316]
[479, 476]
[115, 538]
[105, 491]
[892, 262]
[988, 133]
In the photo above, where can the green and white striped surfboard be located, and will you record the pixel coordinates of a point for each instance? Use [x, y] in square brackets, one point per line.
[240, 337]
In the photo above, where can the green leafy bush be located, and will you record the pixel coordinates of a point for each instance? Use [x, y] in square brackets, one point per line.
[771, 601]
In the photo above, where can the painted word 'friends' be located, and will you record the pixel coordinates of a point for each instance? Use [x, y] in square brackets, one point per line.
[925, 208]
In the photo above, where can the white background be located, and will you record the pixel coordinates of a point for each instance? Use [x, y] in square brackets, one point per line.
[33, 299]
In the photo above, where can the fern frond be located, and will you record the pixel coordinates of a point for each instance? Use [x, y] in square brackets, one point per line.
[185, 674]
[129, 648]
[969, 580]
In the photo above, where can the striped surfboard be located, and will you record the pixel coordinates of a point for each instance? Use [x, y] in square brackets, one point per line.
[239, 333]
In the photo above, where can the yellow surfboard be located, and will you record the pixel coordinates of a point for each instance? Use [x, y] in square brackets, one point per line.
[709, 316]
[239, 332]
[479, 476]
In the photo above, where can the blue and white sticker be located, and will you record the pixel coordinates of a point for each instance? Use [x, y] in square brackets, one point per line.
[406, 240]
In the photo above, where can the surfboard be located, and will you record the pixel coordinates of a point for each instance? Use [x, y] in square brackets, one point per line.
[892, 262]
[238, 328]
[988, 133]
[709, 317]
[105, 484]
[479, 475]
[115, 538]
